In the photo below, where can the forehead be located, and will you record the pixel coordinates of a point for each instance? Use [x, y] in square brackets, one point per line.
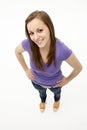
[35, 23]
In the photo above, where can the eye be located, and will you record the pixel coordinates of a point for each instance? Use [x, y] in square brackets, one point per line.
[40, 30]
[31, 33]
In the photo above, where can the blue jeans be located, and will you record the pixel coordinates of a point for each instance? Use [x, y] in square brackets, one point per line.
[43, 95]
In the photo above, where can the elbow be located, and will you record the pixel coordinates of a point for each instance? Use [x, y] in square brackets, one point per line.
[80, 68]
[16, 52]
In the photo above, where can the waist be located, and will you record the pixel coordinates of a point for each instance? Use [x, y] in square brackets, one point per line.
[47, 80]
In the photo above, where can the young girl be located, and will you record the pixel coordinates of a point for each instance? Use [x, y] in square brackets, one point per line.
[46, 54]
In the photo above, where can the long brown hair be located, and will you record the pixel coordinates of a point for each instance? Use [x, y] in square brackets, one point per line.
[36, 57]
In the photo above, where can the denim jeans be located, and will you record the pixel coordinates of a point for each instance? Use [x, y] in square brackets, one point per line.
[42, 92]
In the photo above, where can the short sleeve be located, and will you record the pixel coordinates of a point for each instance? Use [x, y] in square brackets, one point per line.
[26, 45]
[65, 51]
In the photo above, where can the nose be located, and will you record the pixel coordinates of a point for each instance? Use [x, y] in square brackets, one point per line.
[36, 36]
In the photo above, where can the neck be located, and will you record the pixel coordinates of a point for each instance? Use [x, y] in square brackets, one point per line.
[45, 49]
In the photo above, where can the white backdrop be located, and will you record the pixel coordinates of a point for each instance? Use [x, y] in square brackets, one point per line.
[19, 101]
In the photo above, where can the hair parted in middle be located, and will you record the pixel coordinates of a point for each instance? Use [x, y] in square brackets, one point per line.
[36, 57]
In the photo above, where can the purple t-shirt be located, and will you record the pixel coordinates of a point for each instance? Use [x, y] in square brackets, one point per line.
[52, 74]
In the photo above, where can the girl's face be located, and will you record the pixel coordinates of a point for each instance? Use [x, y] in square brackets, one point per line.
[39, 33]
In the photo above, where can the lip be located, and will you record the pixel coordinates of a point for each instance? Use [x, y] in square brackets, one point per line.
[39, 41]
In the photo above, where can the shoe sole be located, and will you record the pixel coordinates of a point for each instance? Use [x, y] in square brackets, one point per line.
[42, 110]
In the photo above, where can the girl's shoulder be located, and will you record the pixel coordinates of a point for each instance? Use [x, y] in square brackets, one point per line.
[59, 44]
[62, 49]
[26, 44]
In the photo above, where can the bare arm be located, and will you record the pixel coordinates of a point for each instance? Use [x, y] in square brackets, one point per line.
[75, 64]
[77, 67]
[18, 51]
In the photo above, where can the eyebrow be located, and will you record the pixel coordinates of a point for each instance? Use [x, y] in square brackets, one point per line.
[36, 29]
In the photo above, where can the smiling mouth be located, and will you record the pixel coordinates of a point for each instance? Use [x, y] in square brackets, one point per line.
[39, 41]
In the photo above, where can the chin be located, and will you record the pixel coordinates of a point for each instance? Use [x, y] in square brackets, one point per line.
[41, 46]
